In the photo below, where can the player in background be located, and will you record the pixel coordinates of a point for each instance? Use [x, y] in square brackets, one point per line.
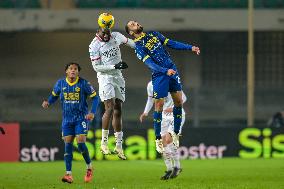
[106, 60]
[167, 114]
[150, 48]
[167, 128]
[73, 91]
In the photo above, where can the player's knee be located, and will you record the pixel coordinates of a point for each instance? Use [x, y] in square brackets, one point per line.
[109, 109]
[169, 138]
[81, 139]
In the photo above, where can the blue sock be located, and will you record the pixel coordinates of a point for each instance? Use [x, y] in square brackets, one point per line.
[177, 111]
[84, 151]
[157, 124]
[68, 156]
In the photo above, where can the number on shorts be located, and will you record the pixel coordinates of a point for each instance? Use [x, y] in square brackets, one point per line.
[84, 124]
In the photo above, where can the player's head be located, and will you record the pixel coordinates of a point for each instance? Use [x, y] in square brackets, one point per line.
[72, 69]
[104, 34]
[133, 27]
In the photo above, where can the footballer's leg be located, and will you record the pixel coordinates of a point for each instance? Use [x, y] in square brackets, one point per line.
[177, 113]
[174, 150]
[117, 125]
[81, 130]
[106, 119]
[157, 121]
[68, 136]
[175, 89]
[167, 153]
[176, 161]
[160, 90]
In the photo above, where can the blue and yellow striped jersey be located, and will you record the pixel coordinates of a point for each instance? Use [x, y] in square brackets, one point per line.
[150, 48]
[73, 97]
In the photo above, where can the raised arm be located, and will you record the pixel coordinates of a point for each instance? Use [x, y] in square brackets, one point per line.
[177, 45]
[124, 40]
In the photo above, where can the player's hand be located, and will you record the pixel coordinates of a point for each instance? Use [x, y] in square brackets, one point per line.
[142, 116]
[90, 116]
[171, 72]
[121, 65]
[196, 50]
[45, 104]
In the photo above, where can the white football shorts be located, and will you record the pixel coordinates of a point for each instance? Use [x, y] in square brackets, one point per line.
[111, 87]
[167, 125]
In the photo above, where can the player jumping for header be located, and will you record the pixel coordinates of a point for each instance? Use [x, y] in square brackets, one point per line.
[106, 60]
[149, 48]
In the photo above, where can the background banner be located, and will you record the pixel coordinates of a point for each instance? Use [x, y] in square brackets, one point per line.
[45, 143]
[9, 142]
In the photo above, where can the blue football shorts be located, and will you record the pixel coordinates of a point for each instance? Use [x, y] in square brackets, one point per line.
[163, 84]
[80, 127]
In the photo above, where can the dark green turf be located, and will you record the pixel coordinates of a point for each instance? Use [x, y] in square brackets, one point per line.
[199, 174]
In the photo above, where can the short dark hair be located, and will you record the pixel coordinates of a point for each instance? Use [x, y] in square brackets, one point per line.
[72, 63]
[127, 28]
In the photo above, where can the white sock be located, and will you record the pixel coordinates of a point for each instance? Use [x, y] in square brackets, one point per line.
[69, 172]
[89, 166]
[167, 158]
[104, 137]
[118, 139]
[175, 155]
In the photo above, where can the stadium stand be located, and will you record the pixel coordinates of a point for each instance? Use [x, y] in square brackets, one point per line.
[20, 4]
[160, 4]
[179, 3]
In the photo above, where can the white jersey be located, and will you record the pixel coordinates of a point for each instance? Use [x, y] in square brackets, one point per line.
[104, 55]
[168, 101]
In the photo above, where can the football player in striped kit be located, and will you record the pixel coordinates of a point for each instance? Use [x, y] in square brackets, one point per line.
[73, 91]
[150, 47]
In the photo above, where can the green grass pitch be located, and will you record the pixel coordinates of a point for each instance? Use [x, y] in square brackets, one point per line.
[200, 174]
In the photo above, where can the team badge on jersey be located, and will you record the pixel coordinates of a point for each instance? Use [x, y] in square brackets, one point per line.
[77, 89]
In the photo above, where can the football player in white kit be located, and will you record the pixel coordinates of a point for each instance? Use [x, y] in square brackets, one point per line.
[166, 145]
[106, 60]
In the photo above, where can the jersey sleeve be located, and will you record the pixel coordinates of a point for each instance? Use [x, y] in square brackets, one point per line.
[144, 57]
[95, 57]
[55, 93]
[94, 53]
[121, 39]
[150, 89]
[56, 89]
[89, 90]
[171, 43]
[184, 98]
